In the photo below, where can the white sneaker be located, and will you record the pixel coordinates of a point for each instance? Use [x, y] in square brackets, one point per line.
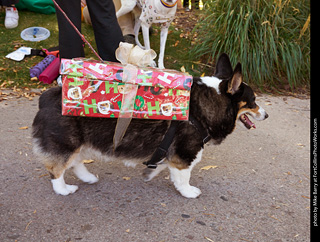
[12, 18]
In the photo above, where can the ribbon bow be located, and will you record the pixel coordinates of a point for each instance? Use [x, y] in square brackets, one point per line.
[127, 54]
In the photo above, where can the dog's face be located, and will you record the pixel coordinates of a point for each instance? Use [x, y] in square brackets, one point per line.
[228, 82]
[248, 107]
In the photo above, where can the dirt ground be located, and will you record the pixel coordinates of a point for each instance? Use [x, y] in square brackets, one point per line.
[256, 187]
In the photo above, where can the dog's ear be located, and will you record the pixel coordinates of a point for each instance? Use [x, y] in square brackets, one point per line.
[223, 67]
[235, 82]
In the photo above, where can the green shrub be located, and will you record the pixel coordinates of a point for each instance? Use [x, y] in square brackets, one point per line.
[271, 39]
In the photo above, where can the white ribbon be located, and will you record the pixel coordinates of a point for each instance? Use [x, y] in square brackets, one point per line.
[128, 54]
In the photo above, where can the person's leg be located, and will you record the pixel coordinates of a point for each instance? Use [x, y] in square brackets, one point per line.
[70, 43]
[106, 28]
[126, 23]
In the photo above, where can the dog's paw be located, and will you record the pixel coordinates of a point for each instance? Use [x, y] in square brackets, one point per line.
[190, 191]
[147, 174]
[89, 178]
[153, 64]
[66, 190]
[72, 188]
[61, 188]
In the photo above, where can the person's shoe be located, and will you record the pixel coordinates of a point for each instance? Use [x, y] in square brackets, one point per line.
[129, 38]
[12, 18]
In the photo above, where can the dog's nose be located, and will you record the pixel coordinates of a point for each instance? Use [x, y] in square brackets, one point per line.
[266, 116]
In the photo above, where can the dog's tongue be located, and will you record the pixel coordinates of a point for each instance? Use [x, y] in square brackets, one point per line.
[247, 122]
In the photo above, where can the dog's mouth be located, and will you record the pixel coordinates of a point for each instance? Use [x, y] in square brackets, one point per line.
[247, 122]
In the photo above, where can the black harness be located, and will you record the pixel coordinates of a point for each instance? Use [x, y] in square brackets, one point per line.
[162, 150]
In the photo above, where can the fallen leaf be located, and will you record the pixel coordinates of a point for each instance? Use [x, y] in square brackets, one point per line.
[87, 161]
[27, 226]
[126, 178]
[208, 239]
[24, 127]
[208, 167]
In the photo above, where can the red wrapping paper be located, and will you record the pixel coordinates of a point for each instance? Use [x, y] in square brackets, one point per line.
[97, 90]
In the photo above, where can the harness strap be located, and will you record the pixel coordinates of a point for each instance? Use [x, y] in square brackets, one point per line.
[202, 130]
[162, 150]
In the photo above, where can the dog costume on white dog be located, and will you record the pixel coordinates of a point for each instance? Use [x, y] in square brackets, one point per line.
[153, 11]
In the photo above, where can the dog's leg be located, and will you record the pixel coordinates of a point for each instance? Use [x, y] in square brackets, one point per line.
[149, 174]
[181, 178]
[61, 188]
[145, 33]
[57, 171]
[80, 170]
[163, 40]
[83, 174]
[146, 40]
[136, 30]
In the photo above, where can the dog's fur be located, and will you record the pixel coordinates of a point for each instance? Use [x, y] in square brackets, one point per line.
[218, 103]
[130, 5]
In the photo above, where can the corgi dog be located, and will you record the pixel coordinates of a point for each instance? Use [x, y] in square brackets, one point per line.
[217, 104]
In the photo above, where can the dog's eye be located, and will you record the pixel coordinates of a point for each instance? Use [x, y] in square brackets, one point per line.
[252, 104]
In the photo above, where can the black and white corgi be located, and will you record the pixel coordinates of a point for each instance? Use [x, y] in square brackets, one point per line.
[216, 104]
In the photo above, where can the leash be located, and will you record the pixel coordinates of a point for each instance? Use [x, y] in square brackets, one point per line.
[78, 32]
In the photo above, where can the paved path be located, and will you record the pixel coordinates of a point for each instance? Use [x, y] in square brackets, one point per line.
[258, 191]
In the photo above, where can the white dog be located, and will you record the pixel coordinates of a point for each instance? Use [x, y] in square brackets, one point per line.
[153, 11]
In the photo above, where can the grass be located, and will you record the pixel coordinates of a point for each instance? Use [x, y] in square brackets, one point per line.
[271, 39]
[272, 47]
[16, 74]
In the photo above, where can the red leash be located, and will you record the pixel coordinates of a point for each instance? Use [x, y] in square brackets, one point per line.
[78, 32]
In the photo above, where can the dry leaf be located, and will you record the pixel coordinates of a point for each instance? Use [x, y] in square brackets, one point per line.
[24, 127]
[126, 178]
[88, 161]
[208, 239]
[208, 167]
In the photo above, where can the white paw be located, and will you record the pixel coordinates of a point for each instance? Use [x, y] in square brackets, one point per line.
[190, 191]
[61, 188]
[161, 66]
[66, 190]
[153, 64]
[89, 178]
[72, 188]
[83, 174]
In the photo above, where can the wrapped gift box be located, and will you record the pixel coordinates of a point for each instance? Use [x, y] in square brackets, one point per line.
[112, 90]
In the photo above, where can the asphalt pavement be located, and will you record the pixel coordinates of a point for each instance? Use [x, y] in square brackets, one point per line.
[255, 187]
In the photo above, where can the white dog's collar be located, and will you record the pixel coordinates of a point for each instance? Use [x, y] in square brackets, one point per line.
[168, 5]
